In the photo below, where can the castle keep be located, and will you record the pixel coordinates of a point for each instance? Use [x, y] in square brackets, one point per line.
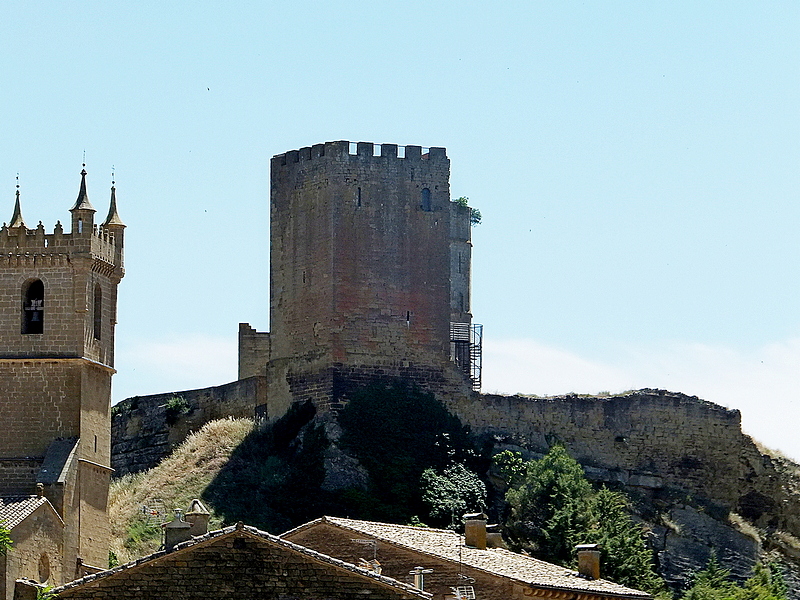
[58, 305]
[369, 276]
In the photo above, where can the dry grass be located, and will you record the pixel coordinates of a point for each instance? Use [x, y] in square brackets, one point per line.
[179, 478]
[744, 527]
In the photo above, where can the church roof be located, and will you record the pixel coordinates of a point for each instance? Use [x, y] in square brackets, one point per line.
[15, 509]
[449, 545]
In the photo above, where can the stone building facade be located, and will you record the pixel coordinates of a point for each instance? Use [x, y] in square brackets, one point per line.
[58, 305]
[369, 275]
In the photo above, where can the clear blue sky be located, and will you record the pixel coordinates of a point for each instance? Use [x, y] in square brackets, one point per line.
[636, 164]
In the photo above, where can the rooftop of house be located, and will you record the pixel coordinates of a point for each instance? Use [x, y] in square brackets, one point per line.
[450, 546]
[238, 530]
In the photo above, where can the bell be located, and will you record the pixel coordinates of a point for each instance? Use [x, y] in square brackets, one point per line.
[35, 317]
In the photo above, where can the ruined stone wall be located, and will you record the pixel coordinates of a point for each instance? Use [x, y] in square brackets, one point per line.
[647, 439]
[460, 263]
[144, 429]
[253, 351]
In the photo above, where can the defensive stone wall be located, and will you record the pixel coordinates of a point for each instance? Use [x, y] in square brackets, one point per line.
[253, 351]
[648, 439]
[145, 429]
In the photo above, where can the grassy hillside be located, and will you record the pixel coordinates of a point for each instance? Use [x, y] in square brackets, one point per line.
[178, 479]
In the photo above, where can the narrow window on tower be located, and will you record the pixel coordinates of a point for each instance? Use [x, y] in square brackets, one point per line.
[80, 225]
[358, 199]
[33, 307]
[425, 200]
[98, 311]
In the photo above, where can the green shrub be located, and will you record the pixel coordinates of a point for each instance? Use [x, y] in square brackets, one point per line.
[175, 407]
[5, 539]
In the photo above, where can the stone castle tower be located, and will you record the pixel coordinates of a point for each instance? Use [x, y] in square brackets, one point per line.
[58, 305]
[369, 276]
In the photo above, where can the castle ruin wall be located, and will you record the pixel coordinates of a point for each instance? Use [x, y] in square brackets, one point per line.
[144, 430]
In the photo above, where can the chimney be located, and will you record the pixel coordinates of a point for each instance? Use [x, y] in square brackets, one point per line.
[588, 560]
[197, 516]
[176, 531]
[419, 576]
[475, 530]
[494, 539]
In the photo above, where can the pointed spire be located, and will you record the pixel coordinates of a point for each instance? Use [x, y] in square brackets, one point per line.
[82, 203]
[113, 216]
[16, 218]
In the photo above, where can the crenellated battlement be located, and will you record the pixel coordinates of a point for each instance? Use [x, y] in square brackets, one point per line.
[342, 149]
[87, 239]
[99, 241]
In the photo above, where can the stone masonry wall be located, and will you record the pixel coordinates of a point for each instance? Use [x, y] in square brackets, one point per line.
[648, 439]
[30, 426]
[253, 351]
[144, 430]
[18, 476]
[359, 257]
[36, 553]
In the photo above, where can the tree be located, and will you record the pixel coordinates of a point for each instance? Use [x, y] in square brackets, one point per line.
[549, 507]
[474, 214]
[714, 583]
[452, 493]
[624, 553]
[554, 508]
[5, 539]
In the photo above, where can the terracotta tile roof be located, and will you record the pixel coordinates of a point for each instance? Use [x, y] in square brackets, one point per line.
[359, 571]
[448, 545]
[14, 509]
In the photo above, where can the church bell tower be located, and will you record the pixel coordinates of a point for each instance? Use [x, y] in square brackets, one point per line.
[58, 310]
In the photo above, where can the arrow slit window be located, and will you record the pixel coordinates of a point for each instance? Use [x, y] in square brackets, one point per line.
[98, 311]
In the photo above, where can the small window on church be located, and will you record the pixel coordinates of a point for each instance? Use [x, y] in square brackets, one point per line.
[33, 307]
[98, 311]
[44, 568]
[425, 200]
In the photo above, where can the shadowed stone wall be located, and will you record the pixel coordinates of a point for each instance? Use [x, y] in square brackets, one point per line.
[145, 429]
